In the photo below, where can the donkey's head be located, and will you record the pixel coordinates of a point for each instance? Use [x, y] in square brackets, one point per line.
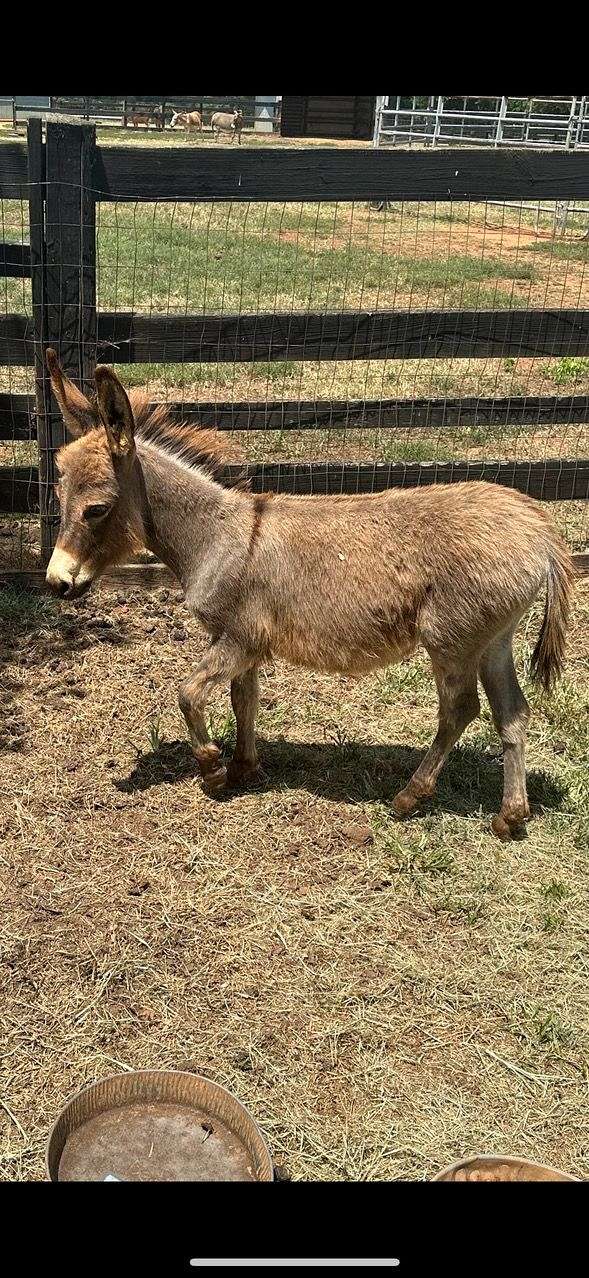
[175, 118]
[98, 527]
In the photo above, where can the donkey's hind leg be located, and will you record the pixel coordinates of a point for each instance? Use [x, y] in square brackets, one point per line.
[244, 699]
[459, 704]
[222, 662]
[511, 714]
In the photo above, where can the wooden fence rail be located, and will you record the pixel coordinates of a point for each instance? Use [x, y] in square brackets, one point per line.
[549, 480]
[15, 260]
[325, 173]
[121, 337]
[17, 413]
[124, 173]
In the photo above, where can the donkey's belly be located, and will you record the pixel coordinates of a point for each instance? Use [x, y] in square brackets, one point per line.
[338, 656]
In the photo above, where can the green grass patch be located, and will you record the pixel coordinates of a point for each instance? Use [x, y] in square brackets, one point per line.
[554, 890]
[23, 609]
[568, 370]
[415, 450]
[567, 250]
[203, 258]
[458, 268]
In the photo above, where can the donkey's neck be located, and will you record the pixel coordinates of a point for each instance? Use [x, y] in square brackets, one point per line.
[185, 513]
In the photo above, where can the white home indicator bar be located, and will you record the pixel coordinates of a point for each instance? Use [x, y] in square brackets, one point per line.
[289, 1263]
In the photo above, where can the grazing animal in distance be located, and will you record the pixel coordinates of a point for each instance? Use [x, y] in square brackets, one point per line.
[141, 117]
[228, 122]
[342, 584]
[189, 120]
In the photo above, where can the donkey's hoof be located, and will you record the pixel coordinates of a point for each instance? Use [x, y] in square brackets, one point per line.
[508, 827]
[215, 781]
[500, 827]
[240, 773]
[404, 803]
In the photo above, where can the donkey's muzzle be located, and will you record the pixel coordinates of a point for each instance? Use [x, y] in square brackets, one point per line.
[59, 587]
[78, 589]
[69, 589]
[66, 577]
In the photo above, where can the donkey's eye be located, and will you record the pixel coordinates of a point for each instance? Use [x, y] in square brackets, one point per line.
[97, 512]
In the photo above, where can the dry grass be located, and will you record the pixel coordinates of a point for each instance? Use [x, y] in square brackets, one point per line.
[383, 1008]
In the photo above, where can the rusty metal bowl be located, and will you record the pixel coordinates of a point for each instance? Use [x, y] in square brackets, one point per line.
[496, 1167]
[156, 1125]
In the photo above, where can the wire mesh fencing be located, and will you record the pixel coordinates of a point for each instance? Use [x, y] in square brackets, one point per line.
[346, 343]
[336, 259]
[19, 523]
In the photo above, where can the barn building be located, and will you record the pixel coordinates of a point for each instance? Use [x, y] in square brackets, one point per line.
[328, 117]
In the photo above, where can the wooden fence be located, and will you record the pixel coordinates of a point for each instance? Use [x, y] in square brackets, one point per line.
[110, 111]
[65, 175]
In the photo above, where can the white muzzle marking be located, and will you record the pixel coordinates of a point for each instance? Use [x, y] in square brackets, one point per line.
[63, 571]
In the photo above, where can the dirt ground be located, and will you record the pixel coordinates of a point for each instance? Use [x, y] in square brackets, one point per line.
[385, 998]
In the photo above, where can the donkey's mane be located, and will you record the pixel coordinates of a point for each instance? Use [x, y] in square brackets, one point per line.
[190, 444]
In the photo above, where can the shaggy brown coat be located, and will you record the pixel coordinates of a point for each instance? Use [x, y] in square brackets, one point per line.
[342, 584]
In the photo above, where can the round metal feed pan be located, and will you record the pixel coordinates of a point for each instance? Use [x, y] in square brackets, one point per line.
[496, 1167]
[156, 1125]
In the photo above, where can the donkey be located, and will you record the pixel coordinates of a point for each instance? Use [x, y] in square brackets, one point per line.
[341, 584]
[228, 122]
[188, 119]
[141, 117]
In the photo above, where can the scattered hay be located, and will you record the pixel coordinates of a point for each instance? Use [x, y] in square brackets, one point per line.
[383, 1004]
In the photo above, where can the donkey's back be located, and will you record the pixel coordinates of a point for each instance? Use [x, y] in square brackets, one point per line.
[352, 583]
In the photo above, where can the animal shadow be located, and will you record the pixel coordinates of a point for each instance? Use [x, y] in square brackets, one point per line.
[353, 773]
[172, 761]
[358, 772]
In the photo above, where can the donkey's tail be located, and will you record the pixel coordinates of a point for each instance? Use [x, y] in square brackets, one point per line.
[547, 659]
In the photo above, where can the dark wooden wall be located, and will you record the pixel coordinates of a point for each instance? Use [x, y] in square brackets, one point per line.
[328, 117]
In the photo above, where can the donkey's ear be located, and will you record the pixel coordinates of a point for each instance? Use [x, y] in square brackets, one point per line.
[78, 413]
[115, 411]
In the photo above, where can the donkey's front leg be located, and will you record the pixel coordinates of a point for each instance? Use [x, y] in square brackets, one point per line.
[244, 699]
[223, 662]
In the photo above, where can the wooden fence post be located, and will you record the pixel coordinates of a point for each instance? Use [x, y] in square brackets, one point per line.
[36, 162]
[69, 311]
